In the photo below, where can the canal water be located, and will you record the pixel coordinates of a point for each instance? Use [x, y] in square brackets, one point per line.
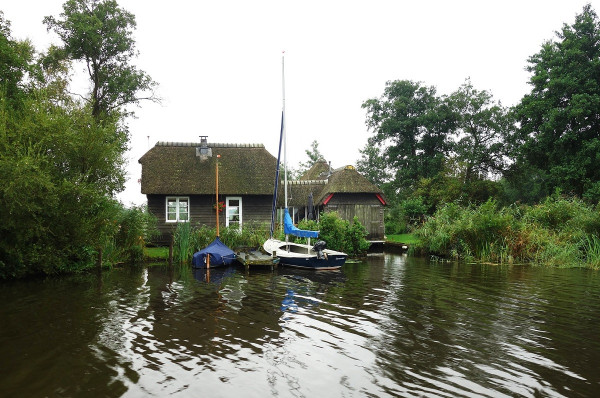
[392, 326]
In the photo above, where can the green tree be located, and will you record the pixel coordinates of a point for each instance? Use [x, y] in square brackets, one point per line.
[559, 137]
[100, 33]
[410, 125]
[372, 164]
[480, 131]
[16, 60]
[60, 166]
[314, 156]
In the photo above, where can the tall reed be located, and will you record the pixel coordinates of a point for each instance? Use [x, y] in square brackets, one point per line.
[182, 248]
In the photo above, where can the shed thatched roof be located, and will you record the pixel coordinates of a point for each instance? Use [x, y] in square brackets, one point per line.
[343, 180]
[318, 171]
[347, 180]
[172, 168]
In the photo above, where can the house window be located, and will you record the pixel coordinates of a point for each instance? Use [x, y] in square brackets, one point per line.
[178, 209]
[233, 208]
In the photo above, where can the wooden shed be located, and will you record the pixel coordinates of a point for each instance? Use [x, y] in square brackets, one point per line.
[343, 190]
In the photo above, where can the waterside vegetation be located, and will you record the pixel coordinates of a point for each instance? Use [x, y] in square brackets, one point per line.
[560, 231]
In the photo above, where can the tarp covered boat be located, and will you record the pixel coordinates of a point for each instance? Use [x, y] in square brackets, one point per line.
[219, 254]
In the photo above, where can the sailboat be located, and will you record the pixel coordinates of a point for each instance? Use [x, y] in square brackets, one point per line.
[292, 254]
[216, 254]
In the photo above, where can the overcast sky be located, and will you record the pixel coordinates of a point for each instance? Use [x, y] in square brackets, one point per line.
[218, 63]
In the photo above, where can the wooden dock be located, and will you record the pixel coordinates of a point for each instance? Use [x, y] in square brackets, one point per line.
[256, 258]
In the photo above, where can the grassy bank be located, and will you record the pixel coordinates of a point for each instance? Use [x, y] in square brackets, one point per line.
[409, 239]
[559, 232]
[156, 253]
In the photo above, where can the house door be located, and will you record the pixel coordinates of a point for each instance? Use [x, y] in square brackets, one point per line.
[233, 208]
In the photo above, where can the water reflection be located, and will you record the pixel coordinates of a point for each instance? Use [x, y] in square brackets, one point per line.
[392, 326]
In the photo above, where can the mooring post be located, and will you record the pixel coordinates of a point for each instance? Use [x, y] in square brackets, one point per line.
[171, 250]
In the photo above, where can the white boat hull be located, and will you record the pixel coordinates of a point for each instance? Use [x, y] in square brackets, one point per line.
[303, 256]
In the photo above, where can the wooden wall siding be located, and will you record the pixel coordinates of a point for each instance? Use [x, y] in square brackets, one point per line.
[366, 207]
[255, 208]
[370, 216]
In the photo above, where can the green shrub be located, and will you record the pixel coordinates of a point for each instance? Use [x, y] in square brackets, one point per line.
[559, 232]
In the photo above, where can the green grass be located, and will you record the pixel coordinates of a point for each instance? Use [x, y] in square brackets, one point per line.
[157, 253]
[403, 238]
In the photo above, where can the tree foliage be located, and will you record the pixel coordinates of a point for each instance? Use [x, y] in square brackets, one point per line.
[60, 166]
[441, 148]
[559, 138]
[314, 156]
[100, 33]
[410, 126]
[15, 62]
[479, 133]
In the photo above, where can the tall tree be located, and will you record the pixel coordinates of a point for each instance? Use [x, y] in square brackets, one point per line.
[314, 156]
[410, 125]
[15, 61]
[100, 33]
[560, 118]
[372, 164]
[480, 131]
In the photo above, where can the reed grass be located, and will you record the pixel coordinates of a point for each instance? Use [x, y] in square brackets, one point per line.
[560, 232]
[182, 248]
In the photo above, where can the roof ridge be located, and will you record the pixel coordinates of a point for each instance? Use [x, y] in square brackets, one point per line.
[307, 182]
[210, 145]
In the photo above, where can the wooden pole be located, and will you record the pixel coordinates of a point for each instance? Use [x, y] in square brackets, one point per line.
[100, 258]
[171, 250]
[217, 196]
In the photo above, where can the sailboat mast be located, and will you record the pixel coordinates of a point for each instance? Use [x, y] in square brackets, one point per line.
[283, 131]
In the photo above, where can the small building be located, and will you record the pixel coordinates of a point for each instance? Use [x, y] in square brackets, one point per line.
[343, 190]
[179, 181]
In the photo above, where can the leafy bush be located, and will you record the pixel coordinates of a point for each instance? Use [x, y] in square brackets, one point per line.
[560, 232]
[135, 227]
[341, 235]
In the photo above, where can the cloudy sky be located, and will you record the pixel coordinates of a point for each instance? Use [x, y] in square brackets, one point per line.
[218, 63]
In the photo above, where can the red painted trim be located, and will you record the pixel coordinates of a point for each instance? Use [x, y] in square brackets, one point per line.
[380, 199]
[328, 199]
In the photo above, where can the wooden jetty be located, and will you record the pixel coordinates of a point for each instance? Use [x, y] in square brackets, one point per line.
[256, 257]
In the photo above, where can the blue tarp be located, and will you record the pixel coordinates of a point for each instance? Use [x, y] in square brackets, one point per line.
[219, 255]
[290, 229]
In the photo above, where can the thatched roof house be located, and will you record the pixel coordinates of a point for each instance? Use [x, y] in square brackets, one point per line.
[179, 180]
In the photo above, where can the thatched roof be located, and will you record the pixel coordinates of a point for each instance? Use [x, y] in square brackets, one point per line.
[322, 184]
[347, 180]
[318, 171]
[172, 168]
[299, 191]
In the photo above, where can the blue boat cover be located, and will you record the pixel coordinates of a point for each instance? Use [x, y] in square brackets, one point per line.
[290, 229]
[219, 255]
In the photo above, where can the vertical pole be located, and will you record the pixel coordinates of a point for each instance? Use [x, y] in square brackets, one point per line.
[171, 250]
[284, 132]
[100, 258]
[217, 190]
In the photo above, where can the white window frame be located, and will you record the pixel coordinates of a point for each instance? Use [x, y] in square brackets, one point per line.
[177, 200]
[227, 208]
